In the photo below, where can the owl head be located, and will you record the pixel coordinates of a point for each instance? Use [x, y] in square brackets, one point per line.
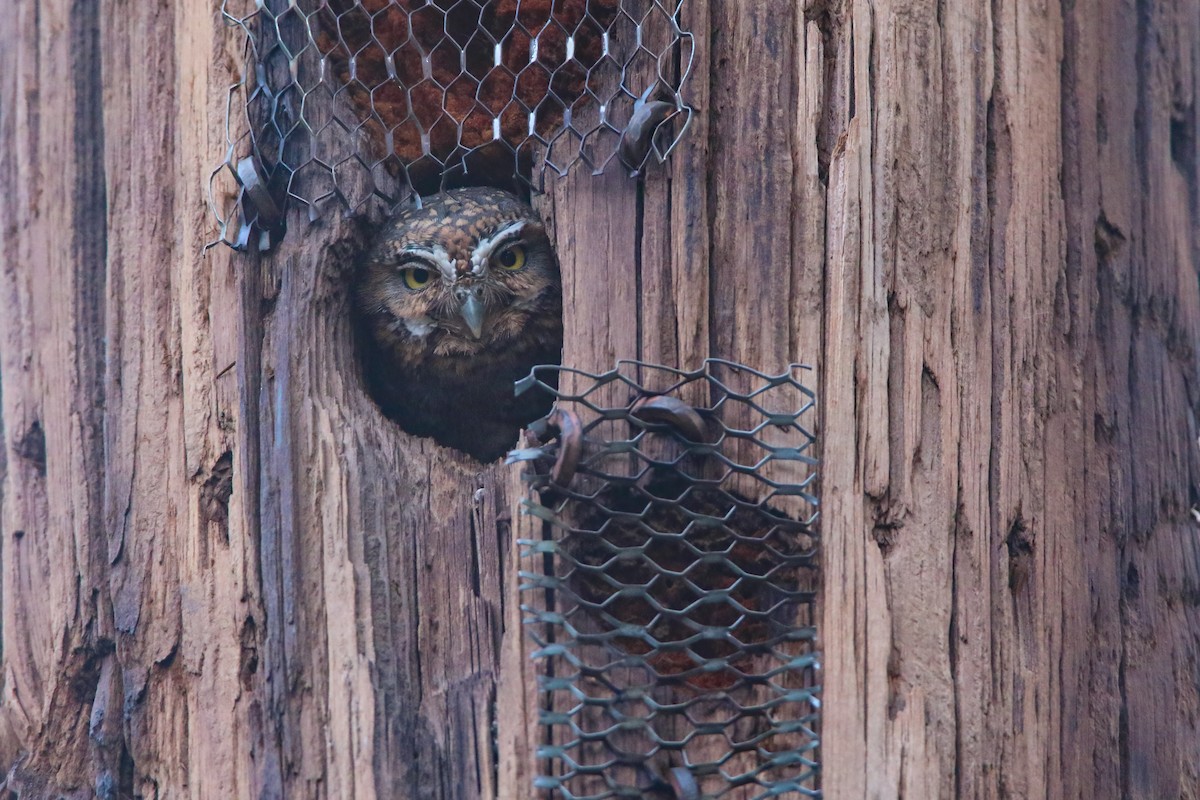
[463, 273]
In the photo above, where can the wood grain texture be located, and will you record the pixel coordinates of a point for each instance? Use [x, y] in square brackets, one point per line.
[225, 575]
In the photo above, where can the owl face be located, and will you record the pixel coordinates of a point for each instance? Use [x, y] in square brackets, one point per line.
[461, 276]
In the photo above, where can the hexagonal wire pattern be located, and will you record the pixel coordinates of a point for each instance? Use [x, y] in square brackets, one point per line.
[670, 599]
[362, 102]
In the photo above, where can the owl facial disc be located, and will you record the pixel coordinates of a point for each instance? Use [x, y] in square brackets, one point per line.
[458, 298]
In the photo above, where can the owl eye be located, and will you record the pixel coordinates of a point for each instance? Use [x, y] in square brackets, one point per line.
[416, 278]
[511, 258]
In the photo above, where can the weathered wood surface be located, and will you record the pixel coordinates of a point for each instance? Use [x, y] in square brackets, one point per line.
[225, 576]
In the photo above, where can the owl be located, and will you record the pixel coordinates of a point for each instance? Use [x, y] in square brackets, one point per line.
[459, 296]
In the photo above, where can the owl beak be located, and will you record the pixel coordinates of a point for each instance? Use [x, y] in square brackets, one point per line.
[472, 314]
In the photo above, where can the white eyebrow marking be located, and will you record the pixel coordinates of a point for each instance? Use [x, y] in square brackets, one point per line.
[483, 250]
[436, 255]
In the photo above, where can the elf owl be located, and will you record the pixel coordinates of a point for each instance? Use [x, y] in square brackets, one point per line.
[460, 297]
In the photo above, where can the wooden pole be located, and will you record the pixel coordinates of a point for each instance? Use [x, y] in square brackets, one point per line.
[226, 575]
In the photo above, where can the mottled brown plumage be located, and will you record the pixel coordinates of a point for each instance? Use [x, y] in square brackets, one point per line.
[460, 298]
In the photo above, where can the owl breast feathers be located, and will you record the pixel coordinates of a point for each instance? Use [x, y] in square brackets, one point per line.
[459, 298]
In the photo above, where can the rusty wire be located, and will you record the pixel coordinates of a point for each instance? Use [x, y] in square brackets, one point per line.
[670, 599]
[361, 102]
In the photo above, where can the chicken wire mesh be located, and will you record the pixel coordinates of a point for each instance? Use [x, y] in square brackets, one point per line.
[670, 600]
[370, 101]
